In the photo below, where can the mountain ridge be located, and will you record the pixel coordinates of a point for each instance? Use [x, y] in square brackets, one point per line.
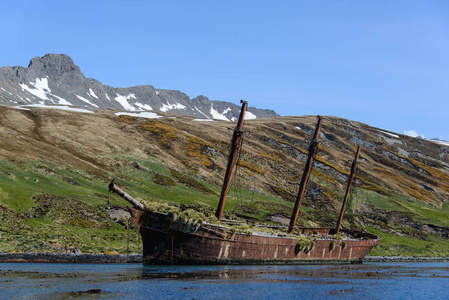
[56, 79]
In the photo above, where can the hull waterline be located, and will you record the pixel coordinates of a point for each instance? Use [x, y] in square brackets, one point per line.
[174, 242]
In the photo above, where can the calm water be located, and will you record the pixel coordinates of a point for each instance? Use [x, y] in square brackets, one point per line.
[134, 281]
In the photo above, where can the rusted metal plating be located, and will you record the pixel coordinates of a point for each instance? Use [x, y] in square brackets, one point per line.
[163, 243]
[115, 189]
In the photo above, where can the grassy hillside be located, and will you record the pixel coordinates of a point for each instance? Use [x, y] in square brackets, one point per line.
[55, 167]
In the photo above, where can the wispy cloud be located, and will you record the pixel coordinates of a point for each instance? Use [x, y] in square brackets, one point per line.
[414, 133]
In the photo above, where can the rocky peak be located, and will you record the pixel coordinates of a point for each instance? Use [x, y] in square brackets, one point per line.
[52, 65]
[58, 67]
[201, 99]
[55, 79]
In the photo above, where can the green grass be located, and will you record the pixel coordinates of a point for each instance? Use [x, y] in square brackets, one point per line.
[428, 213]
[18, 191]
[421, 211]
[362, 196]
[20, 230]
[395, 245]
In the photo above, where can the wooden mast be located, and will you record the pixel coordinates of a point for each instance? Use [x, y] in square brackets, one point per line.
[305, 176]
[348, 188]
[237, 135]
[114, 188]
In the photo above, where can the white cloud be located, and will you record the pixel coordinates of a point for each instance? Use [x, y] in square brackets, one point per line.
[413, 133]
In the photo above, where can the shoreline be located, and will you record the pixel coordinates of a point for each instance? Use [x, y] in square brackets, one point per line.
[70, 258]
[405, 259]
[138, 258]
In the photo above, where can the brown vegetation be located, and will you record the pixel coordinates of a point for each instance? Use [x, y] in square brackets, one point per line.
[101, 144]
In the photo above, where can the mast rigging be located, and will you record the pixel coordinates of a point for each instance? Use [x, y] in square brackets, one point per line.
[236, 137]
[305, 176]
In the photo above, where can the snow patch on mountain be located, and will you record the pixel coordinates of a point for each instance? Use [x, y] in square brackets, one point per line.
[390, 134]
[216, 115]
[123, 100]
[87, 101]
[201, 112]
[249, 116]
[62, 101]
[92, 93]
[55, 79]
[441, 142]
[144, 114]
[203, 120]
[143, 106]
[42, 91]
[62, 107]
[168, 106]
[6, 91]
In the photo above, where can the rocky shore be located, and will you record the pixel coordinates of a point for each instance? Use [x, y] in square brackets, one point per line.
[68, 258]
[137, 258]
[404, 259]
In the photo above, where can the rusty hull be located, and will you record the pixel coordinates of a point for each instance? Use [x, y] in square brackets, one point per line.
[173, 242]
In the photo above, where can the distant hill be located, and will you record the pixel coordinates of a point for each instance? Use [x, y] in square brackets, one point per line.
[55, 79]
[55, 166]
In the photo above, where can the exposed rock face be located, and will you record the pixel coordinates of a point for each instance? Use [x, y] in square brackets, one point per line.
[55, 79]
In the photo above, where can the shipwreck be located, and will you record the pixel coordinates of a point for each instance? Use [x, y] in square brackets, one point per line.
[170, 240]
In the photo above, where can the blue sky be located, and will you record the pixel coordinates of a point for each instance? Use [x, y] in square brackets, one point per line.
[384, 63]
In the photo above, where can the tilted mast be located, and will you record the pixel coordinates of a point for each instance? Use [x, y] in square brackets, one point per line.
[348, 188]
[305, 176]
[115, 189]
[237, 135]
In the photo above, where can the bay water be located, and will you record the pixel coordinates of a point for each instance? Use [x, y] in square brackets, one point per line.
[135, 281]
